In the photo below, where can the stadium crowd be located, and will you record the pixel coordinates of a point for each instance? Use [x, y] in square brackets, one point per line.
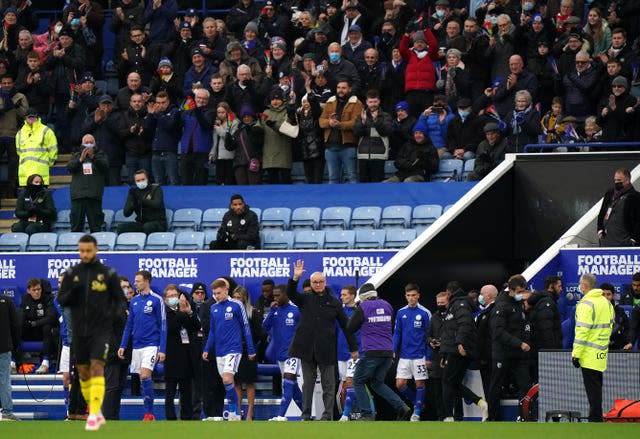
[347, 344]
[347, 85]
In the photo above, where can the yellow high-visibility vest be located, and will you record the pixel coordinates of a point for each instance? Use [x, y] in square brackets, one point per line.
[594, 323]
[37, 149]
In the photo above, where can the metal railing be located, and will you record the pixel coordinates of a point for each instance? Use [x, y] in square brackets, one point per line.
[614, 146]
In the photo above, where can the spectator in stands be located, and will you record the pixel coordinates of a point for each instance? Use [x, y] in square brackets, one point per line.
[592, 131]
[621, 331]
[217, 89]
[459, 346]
[417, 159]
[104, 125]
[598, 30]
[89, 168]
[316, 44]
[271, 23]
[437, 118]
[464, 132]
[277, 150]
[501, 47]
[25, 45]
[35, 208]
[159, 14]
[524, 122]
[147, 202]
[196, 141]
[251, 44]
[619, 217]
[614, 67]
[310, 137]
[486, 299]
[246, 90]
[223, 150]
[517, 80]
[90, 16]
[315, 339]
[84, 101]
[182, 322]
[239, 229]
[236, 57]
[544, 325]
[264, 301]
[371, 73]
[37, 148]
[134, 85]
[477, 44]
[338, 68]
[179, 50]
[490, 152]
[508, 347]
[13, 106]
[162, 124]
[249, 141]
[213, 44]
[126, 14]
[134, 136]
[617, 115]
[338, 121]
[38, 317]
[166, 79]
[420, 76]
[402, 128]
[199, 73]
[356, 46]
[277, 64]
[632, 295]
[33, 84]
[577, 85]
[373, 127]
[9, 344]
[619, 50]
[241, 14]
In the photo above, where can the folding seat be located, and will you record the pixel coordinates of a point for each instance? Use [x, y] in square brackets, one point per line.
[366, 217]
[399, 238]
[189, 241]
[68, 241]
[130, 241]
[308, 239]
[275, 218]
[106, 240]
[450, 169]
[186, 220]
[63, 223]
[339, 239]
[276, 239]
[370, 239]
[425, 214]
[396, 216]
[13, 242]
[160, 241]
[42, 242]
[335, 217]
[305, 218]
[212, 218]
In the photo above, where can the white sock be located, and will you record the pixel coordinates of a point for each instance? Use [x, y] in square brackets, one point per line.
[45, 363]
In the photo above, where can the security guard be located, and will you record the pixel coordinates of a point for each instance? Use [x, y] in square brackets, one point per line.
[37, 148]
[594, 322]
[92, 291]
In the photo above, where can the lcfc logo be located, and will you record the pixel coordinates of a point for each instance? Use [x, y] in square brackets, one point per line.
[148, 308]
[289, 320]
[228, 315]
[417, 323]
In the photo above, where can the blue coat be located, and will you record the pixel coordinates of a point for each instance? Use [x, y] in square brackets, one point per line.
[191, 77]
[198, 129]
[165, 128]
[161, 19]
[437, 131]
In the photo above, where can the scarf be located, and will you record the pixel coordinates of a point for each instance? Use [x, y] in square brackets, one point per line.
[518, 118]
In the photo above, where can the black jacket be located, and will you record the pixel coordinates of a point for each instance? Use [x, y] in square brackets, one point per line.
[93, 293]
[147, 204]
[544, 321]
[465, 135]
[9, 327]
[483, 322]
[136, 143]
[88, 186]
[507, 328]
[488, 157]
[627, 297]
[178, 361]
[39, 204]
[119, 322]
[459, 327]
[621, 333]
[631, 214]
[634, 333]
[107, 138]
[240, 230]
[38, 313]
[417, 159]
[315, 338]
[434, 333]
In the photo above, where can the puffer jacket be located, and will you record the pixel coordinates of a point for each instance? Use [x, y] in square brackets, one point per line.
[374, 136]
[310, 137]
[508, 327]
[249, 140]
[459, 327]
[417, 159]
[277, 152]
[420, 74]
[223, 147]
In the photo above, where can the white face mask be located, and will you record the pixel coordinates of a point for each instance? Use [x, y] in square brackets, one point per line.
[89, 145]
[58, 28]
[142, 185]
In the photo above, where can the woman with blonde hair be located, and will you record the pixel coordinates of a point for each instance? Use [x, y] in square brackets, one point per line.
[599, 31]
[223, 149]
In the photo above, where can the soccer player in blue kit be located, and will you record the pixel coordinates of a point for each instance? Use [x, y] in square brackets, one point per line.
[229, 324]
[281, 323]
[410, 345]
[147, 325]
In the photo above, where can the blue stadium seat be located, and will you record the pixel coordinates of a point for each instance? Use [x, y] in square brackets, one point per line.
[63, 223]
[396, 216]
[108, 219]
[339, 239]
[305, 218]
[119, 218]
[450, 169]
[335, 217]
[309, 240]
[389, 169]
[424, 215]
[68, 241]
[189, 241]
[257, 211]
[160, 241]
[106, 240]
[131, 241]
[372, 239]
[13, 242]
[276, 239]
[366, 217]
[186, 220]
[212, 218]
[447, 207]
[42, 242]
[169, 215]
[297, 173]
[276, 218]
[399, 238]
[468, 168]
[210, 235]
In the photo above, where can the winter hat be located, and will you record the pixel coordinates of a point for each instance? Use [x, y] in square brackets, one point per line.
[251, 26]
[105, 99]
[31, 112]
[367, 291]
[247, 110]
[402, 105]
[165, 62]
[10, 9]
[87, 77]
[66, 32]
[355, 28]
[276, 93]
[464, 103]
[309, 55]
[279, 43]
[419, 36]
[233, 45]
[422, 127]
[454, 52]
[198, 286]
[491, 126]
[185, 25]
[620, 80]
[191, 13]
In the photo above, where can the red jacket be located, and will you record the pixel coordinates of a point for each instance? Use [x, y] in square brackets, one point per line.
[420, 74]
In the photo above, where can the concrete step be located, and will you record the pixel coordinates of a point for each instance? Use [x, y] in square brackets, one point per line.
[55, 180]
[63, 159]
[5, 225]
[9, 203]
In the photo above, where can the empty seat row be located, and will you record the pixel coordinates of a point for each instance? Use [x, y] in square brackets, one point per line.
[336, 239]
[283, 218]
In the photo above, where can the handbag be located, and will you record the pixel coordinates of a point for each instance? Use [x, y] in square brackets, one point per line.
[288, 129]
[254, 164]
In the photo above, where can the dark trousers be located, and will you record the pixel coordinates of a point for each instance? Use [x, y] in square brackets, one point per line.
[148, 227]
[186, 413]
[29, 227]
[40, 333]
[485, 373]
[193, 169]
[593, 385]
[245, 177]
[77, 404]
[328, 380]
[89, 207]
[224, 173]
[279, 176]
[213, 390]
[452, 376]
[197, 381]
[418, 101]
[370, 171]
[8, 144]
[314, 170]
[372, 371]
[115, 381]
[499, 371]
[115, 176]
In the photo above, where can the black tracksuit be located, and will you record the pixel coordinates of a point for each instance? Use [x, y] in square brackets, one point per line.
[237, 232]
[545, 327]
[38, 319]
[483, 322]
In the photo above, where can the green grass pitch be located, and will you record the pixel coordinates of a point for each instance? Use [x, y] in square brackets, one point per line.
[310, 430]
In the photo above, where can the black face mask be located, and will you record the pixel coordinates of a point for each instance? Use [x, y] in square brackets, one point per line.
[442, 308]
[618, 186]
[33, 189]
